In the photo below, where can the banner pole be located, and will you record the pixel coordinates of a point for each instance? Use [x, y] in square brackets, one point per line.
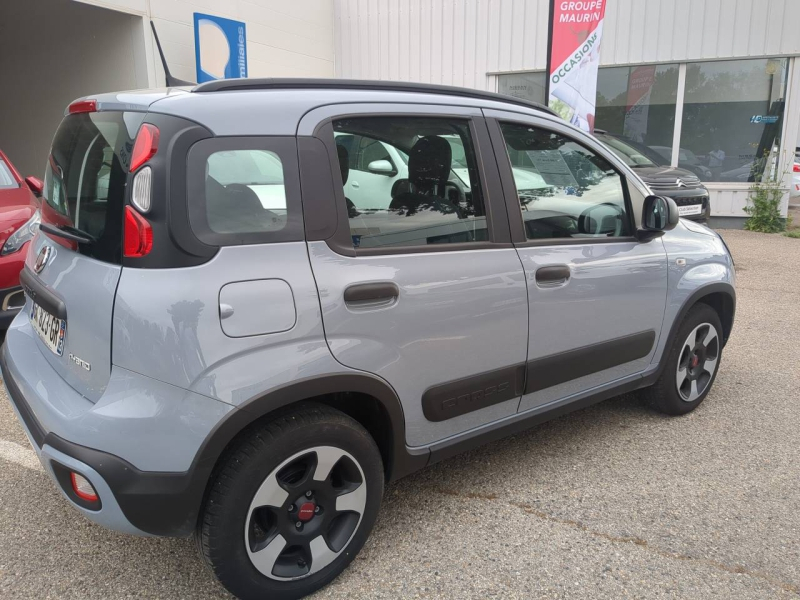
[549, 52]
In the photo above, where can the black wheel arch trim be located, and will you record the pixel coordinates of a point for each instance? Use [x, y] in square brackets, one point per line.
[696, 296]
[169, 504]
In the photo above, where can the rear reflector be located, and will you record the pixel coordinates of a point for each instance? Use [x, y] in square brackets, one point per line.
[138, 239]
[796, 168]
[82, 487]
[145, 147]
[140, 196]
[83, 106]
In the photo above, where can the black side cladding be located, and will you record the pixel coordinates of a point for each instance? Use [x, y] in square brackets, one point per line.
[460, 397]
[566, 366]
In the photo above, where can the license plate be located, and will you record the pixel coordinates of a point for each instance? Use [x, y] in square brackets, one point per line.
[691, 209]
[50, 328]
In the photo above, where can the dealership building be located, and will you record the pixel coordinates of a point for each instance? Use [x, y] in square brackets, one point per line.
[712, 86]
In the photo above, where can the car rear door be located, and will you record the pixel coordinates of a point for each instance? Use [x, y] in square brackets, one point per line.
[70, 283]
[596, 292]
[426, 292]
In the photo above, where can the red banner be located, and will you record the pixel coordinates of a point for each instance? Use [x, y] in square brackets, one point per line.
[577, 28]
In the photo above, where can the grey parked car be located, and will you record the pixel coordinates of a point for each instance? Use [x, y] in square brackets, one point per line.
[218, 342]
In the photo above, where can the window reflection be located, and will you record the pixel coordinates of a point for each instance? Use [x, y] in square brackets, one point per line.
[732, 117]
[637, 105]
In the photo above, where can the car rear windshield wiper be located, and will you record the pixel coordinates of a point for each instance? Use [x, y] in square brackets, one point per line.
[68, 233]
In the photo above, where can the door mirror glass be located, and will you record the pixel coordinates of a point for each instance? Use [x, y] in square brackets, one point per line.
[381, 167]
[659, 213]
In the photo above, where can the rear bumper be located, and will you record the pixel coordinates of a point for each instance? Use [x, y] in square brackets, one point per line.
[63, 426]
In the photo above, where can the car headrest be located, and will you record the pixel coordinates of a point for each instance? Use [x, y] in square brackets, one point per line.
[344, 162]
[429, 164]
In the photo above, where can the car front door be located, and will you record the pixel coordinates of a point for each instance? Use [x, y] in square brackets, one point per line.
[596, 293]
[424, 289]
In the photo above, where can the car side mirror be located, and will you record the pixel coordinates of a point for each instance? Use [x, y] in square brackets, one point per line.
[36, 186]
[659, 214]
[382, 167]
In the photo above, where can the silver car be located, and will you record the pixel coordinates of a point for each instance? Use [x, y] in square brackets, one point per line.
[217, 341]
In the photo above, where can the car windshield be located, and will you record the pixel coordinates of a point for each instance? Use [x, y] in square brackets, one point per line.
[7, 180]
[632, 156]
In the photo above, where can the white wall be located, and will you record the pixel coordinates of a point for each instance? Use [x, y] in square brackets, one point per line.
[289, 38]
[459, 41]
[51, 52]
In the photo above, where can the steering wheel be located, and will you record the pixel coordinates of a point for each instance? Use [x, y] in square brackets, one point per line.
[588, 224]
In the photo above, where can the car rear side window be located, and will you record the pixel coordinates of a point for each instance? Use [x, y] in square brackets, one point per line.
[7, 180]
[414, 181]
[244, 191]
[86, 176]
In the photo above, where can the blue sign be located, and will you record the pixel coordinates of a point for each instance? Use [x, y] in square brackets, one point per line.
[220, 48]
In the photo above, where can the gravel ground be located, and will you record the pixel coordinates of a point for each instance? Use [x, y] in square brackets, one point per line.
[611, 502]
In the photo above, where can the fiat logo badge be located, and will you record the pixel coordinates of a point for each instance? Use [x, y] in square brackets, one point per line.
[42, 258]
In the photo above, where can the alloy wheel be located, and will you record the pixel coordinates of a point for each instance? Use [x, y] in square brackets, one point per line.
[697, 362]
[305, 513]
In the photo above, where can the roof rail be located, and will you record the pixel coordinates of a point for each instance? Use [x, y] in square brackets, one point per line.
[287, 83]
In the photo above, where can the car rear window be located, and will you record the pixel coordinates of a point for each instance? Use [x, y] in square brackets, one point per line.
[7, 179]
[85, 178]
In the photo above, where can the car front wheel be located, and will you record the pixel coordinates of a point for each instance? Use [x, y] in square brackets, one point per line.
[691, 365]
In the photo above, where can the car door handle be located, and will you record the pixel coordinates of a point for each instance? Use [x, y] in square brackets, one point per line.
[355, 184]
[552, 276]
[371, 292]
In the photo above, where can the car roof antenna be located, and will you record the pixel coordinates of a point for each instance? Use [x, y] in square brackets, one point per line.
[171, 81]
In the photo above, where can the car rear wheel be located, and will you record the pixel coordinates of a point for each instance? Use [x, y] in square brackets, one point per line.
[292, 505]
[692, 363]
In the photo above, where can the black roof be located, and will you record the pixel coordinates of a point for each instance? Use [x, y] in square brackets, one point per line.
[288, 83]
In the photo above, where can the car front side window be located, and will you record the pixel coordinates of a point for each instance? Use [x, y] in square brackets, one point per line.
[565, 190]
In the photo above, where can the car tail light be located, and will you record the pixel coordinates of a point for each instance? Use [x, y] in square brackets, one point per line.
[138, 240]
[796, 168]
[142, 184]
[83, 106]
[145, 147]
[82, 487]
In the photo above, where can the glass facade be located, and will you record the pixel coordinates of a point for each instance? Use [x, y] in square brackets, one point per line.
[732, 117]
[638, 105]
[732, 113]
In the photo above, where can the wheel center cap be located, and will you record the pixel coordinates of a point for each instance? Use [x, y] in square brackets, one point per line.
[306, 512]
[695, 361]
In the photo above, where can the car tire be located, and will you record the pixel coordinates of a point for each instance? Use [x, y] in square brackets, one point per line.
[692, 363]
[271, 527]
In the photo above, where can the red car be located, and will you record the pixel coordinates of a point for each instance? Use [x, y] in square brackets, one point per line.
[19, 220]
